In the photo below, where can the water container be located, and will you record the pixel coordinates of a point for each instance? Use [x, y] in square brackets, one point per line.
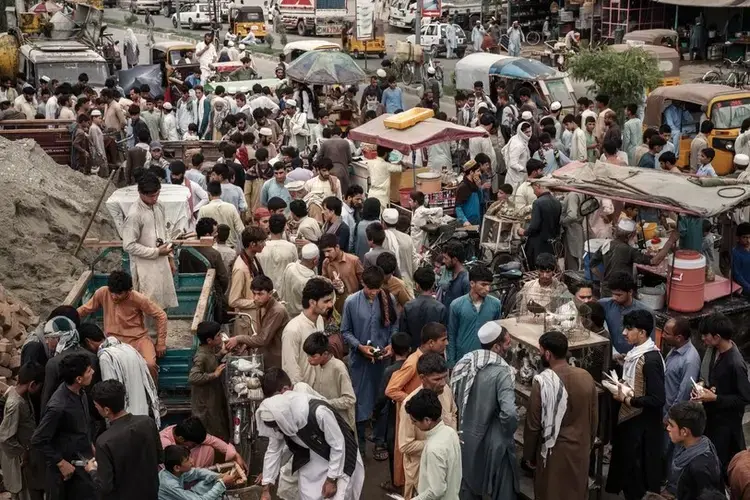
[688, 274]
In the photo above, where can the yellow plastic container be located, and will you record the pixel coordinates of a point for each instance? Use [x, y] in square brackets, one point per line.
[408, 118]
[649, 230]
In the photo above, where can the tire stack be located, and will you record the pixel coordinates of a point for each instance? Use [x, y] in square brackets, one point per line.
[16, 318]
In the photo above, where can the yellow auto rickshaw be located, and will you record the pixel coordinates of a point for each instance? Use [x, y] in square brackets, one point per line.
[663, 37]
[245, 19]
[177, 59]
[359, 49]
[725, 106]
[668, 59]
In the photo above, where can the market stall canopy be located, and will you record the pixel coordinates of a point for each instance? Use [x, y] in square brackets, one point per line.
[703, 197]
[696, 93]
[325, 68]
[423, 134]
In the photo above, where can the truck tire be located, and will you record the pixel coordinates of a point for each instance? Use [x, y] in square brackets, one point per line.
[301, 28]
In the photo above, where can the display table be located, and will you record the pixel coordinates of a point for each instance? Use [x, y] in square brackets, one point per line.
[526, 334]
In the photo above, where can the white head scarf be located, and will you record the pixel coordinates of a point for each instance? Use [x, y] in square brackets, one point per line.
[289, 410]
[220, 115]
[520, 135]
[130, 38]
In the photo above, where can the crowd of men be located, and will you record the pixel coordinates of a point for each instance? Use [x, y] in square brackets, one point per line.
[359, 343]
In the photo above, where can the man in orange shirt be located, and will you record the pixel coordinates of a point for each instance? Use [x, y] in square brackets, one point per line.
[406, 380]
[125, 311]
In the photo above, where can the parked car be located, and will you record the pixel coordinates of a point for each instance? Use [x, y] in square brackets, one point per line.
[433, 38]
[136, 6]
[193, 15]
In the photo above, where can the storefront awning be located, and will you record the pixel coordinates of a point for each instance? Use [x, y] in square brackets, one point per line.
[709, 3]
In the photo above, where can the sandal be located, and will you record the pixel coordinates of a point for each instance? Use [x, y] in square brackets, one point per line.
[380, 454]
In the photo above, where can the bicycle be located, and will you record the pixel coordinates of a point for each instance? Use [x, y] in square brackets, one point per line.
[533, 38]
[734, 78]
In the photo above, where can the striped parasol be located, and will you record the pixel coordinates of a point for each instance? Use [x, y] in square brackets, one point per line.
[325, 68]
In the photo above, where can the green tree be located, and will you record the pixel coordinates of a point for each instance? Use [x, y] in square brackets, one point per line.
[623, 76]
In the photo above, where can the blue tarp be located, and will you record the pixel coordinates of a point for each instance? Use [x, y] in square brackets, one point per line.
[524, 69]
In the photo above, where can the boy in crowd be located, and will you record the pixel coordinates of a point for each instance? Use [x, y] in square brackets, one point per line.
[179, 480]
[331, 377]
[191, 433]
[228, 254]
[207, 398]
[695, 466]
[705, 157]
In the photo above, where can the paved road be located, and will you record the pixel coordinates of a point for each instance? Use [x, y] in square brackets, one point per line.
[392, 35]
[265, 66]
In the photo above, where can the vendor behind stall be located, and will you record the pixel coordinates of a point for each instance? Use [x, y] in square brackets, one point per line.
[469, 196]
[618, 255]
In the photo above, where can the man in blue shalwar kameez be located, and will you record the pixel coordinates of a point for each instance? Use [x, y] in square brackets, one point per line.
[368, 322]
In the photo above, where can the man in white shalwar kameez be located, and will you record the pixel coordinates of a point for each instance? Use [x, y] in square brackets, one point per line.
[296, 275]
[331, 469]
[122, 362]
[401, 245]
[151, 263]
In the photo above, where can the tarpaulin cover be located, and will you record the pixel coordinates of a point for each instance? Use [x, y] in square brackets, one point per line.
[423, 134]
[524, 69]
[142, 75]
[325, 68]
[704, 197]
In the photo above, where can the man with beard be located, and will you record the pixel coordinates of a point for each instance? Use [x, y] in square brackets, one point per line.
[338, 151]
[484, 391]
[469, 196]
[260, 115]
[561, 423]
[321, 187]
[353, 201]
[295, 125]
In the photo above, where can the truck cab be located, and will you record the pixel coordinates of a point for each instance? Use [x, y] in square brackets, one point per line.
[62, 60]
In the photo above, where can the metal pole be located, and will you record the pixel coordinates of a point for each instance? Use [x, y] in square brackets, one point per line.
[418, 23]
[676, 15]
[177, 7]
[591, 38]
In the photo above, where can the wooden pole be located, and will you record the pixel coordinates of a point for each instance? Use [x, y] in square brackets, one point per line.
[93, 214]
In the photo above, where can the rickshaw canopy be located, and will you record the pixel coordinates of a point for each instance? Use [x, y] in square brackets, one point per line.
[702, 197]
[475, 67]
[308, 45]
[247, 13]
[667, 57]
[523, 69]
[653, 37]
[697, 93]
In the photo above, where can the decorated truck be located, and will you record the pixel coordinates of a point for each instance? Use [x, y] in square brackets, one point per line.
[314, 17]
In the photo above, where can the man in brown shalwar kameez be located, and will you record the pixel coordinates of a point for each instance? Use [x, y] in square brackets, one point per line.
[268, 318]
[558, 436]
[207, 398]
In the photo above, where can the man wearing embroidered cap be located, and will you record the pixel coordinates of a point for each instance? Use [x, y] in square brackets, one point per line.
[296, 276]
[618, 255]
[741, 162]
[554, 112]
[484, 390]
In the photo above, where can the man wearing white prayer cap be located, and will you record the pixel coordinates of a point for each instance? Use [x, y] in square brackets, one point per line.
[326, 455]
[527, 116]
[401, 245]
[483, 389]
[618, 256]
[296, 276]
[295, 125]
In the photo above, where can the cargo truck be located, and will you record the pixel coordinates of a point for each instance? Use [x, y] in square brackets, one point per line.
[314, 17]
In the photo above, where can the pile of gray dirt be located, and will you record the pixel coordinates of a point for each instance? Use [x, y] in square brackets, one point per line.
[44, 208]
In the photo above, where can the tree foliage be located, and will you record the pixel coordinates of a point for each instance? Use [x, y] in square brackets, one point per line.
[623, 76]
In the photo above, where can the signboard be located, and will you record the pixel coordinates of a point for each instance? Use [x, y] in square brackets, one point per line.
[431, 8]
[365, 21]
